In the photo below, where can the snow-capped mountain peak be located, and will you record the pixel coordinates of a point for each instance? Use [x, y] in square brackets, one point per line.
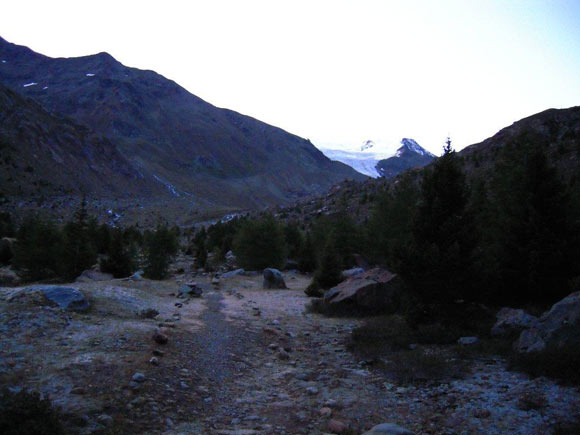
[367, 145]
[366, 159]
[412, 145]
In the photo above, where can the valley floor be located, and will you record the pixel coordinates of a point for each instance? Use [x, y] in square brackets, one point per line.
[242, 360]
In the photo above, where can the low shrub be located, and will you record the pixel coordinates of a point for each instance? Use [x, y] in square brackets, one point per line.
[27, 413]
[562, 364]
[417, 366]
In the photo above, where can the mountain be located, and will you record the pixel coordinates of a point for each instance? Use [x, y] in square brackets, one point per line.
[409, 155]
[557, 131]
[187, 147]
[45, 154]
[379, 161]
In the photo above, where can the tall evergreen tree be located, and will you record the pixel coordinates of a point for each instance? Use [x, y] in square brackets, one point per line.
[36, 255]
[161, 246]
[439, 264]
[535, 239]
[78, 251]
[120, 259]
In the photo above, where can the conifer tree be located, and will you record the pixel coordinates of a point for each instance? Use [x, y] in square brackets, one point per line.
[260, 243]
[160, 247]
[535, 239]
[78, 252]
[439, 264]
[120, 259]
[36, 254]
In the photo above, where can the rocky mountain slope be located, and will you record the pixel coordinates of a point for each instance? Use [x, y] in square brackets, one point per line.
[555, 130]
[188, 147]
[379, 161]
[45, 154]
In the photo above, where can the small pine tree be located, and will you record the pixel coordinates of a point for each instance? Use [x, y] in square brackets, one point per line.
[328, 272]
[120, 259]
[78, 252]
[307, 256]
[36, 254]
[160, 247]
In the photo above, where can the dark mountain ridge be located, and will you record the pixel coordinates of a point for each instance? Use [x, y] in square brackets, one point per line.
[173, 138]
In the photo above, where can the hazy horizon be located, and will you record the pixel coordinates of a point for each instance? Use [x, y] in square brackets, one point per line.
[335, 72]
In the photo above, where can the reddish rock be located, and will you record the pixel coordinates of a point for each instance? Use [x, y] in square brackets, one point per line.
[336, 426]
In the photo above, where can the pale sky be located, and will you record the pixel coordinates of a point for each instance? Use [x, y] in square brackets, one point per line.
[336, 72]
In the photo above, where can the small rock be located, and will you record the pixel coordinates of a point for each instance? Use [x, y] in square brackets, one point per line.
[134, 385]
[325, 412]
[154, 361]
[336, 426]
[158, 352]
[482, 413]
[160, 338]
[148, 313]
[105, 420]
[283, 355]
[313, 391]
[388, 429]
[139, 377]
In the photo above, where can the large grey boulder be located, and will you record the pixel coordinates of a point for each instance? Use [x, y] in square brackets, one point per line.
[376, 289]
[388, 429]
[67, 298]
[511, 322]
[558, 327]
[273, 279]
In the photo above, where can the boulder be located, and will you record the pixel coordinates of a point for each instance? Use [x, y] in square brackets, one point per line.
[231, 258]
[148, 313]
[93, 275]
[558, 327]
[388, 429]
[67, 298]
[375, 290]
[233, 273]
[511, 322]
[137, 276]
[190, 289]
[352, 272]
[8, 277]
[273, 279]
